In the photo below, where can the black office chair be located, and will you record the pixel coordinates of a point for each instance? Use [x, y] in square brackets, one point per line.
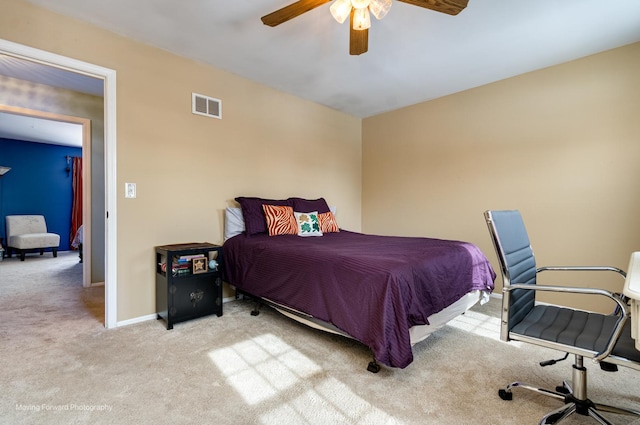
[604, 338]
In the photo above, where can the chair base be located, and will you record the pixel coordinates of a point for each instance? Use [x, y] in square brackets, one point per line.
[23, 252]
[575, 401]
[585, 408]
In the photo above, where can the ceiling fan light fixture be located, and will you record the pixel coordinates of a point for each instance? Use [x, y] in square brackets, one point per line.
[360, 4]
[380, 8]
[340, 10]
[361, 19]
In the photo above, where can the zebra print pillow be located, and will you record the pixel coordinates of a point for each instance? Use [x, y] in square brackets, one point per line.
[328, 223]
[253, 213]
[280, 220]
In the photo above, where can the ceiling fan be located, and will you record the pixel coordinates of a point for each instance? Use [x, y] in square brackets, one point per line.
[358, 11]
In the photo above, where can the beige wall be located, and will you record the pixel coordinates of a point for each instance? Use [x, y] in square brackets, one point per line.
[562, 145]
[188, 168]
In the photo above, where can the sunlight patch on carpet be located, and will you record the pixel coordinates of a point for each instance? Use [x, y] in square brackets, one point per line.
[262, 367]
[329, 402]
[478, 323]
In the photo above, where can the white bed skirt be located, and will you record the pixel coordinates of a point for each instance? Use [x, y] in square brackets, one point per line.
[417, 333]
[441, 318]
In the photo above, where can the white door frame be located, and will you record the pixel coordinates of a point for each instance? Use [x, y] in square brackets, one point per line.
[109, 77]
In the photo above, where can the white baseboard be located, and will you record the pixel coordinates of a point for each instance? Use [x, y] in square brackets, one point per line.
[154, 316]
[137, 320]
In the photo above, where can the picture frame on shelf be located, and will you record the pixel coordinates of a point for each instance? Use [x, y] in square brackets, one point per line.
[199, 265]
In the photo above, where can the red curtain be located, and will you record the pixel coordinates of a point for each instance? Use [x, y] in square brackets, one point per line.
[76, 209]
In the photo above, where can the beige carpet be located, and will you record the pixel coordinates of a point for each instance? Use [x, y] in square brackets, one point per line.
[60, 366]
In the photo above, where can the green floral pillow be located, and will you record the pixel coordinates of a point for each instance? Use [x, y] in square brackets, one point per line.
[308, 224]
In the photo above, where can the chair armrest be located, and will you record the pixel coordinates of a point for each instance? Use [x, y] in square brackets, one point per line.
[569, 289]
[621, 272]
[583, 269]
[617, 298]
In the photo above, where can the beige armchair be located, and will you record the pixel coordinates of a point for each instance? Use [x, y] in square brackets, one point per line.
[26, 233]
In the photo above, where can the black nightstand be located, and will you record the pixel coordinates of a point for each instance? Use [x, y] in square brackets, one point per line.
[186, 287]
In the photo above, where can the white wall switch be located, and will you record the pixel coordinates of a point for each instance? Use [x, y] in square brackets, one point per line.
[129, 190]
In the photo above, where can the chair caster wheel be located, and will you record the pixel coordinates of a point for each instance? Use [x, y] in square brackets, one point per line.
[608, 367]
[373, 367]
[553, 419]
[562, 390]
[505, 395]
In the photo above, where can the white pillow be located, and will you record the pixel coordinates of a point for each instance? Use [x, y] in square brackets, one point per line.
[308, 224]
[233, 222]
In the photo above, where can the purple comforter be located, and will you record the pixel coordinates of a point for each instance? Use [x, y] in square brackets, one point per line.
[373, 288]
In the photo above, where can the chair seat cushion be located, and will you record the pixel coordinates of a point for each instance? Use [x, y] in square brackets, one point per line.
[576, 328]
[34, 240]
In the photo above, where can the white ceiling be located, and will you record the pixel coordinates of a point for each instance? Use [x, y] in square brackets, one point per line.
[414, 54]
[43, 74]
[31, 129]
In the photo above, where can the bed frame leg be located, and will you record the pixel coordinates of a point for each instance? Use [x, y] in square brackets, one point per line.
[373, 367]
[256, 309]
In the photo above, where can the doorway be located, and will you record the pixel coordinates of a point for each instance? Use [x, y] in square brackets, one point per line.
[46, 124]
[109, 83]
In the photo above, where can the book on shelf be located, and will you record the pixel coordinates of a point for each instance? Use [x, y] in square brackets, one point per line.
[190, 257]
[180, 272]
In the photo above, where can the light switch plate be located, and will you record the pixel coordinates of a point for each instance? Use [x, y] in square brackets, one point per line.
[129, 190]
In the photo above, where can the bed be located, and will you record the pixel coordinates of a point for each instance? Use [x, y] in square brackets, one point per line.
[386, 292]
[76, 243]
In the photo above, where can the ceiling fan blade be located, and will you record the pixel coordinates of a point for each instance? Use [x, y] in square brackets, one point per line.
[358, 41]
[291, 11]
[450, 7]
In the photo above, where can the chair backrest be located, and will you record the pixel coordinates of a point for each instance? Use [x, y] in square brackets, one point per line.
[517, 263]
[24, 224]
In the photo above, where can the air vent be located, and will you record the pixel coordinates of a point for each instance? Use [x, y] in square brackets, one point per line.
[205, 105]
